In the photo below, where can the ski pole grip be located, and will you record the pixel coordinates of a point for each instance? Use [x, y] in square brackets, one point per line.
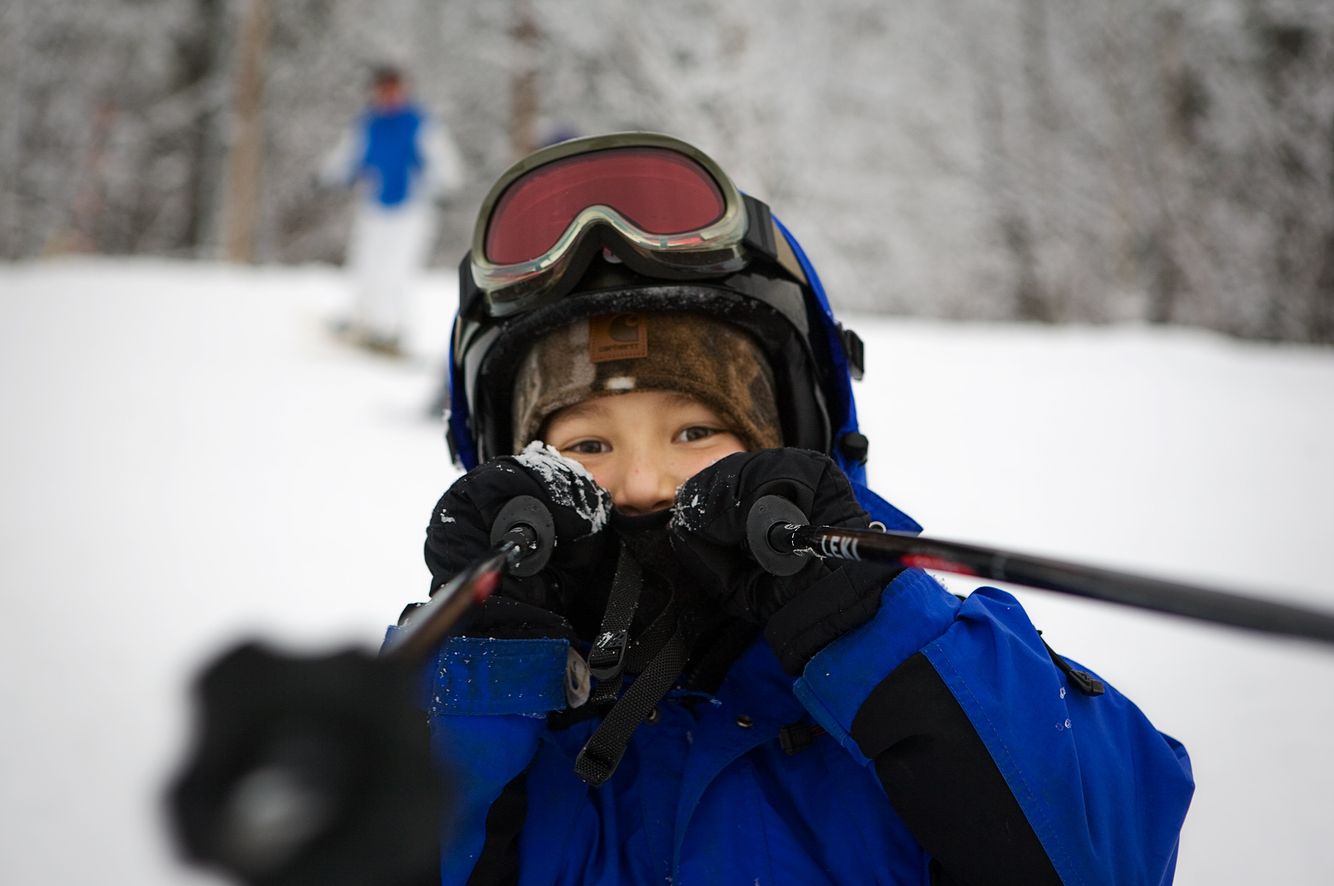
[527, 523]
[768, 536]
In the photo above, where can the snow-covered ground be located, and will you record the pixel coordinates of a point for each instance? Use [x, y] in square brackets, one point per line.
[187, 457]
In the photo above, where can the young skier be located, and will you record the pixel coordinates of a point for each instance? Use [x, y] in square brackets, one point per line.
[647, 351]
[400, 161]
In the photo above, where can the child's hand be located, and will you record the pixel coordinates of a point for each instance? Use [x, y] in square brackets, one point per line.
[802, 612]
[460, 533]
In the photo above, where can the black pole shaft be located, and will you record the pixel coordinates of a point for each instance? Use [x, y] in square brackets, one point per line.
[428, 625]
[522, 537]
[1108, 585]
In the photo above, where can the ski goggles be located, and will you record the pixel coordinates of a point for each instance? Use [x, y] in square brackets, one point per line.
[657, 204]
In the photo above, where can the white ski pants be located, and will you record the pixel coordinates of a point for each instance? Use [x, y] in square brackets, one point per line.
[385, 256]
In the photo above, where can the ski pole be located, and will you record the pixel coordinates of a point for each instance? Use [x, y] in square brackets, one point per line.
[521, 540]
[318, 770]
[781, 541]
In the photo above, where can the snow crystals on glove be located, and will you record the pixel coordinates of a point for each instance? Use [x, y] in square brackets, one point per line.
[688, 516]
[691, 516]
[558, 474]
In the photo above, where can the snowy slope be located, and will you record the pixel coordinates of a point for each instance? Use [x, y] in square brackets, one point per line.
[187, 458]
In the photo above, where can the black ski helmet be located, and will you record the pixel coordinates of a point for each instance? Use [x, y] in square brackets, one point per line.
[602, 252]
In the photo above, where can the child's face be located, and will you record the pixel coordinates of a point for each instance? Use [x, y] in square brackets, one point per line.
[642, 445]
[388, 95]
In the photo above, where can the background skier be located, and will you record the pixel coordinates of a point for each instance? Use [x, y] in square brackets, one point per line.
[401, 162]
[624, 303]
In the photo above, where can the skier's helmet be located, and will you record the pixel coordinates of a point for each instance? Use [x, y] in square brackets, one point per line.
[640, 222]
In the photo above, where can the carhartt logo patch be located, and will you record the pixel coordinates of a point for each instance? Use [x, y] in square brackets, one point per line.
[617, 337]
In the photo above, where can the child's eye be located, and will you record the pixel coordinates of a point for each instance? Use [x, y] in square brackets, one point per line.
[586, 447]
[696, 432]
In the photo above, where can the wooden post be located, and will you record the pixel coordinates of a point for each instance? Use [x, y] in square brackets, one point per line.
[523, 82]
[246, 141]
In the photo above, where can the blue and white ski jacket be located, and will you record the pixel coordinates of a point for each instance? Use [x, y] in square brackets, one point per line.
[391, 157]
[397, 158]
[941, 743]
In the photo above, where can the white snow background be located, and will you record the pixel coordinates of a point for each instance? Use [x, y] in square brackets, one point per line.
[187, 458]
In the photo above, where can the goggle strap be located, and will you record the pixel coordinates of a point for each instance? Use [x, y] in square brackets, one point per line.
[764, 237]
[760, 234]
[787, 259]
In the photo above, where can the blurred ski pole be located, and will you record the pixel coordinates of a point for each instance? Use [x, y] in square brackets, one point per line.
[318, 770]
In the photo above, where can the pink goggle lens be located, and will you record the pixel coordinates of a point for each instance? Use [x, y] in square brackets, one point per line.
[657, 190]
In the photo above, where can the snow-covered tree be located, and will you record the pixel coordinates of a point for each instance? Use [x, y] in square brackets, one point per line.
[1155, 160]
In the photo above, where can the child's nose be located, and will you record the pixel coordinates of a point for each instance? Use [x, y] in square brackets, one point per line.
[645, 489]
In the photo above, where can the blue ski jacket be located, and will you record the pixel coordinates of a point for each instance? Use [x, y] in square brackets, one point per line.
[943, 742]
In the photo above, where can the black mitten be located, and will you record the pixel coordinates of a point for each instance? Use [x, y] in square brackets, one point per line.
[581, 561]
[800, 613]
[309, 770]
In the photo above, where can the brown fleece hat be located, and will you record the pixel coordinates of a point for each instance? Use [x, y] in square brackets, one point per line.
[712, 361]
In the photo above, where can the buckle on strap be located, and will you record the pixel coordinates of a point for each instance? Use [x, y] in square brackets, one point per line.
[602, 753]
[606, 658]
